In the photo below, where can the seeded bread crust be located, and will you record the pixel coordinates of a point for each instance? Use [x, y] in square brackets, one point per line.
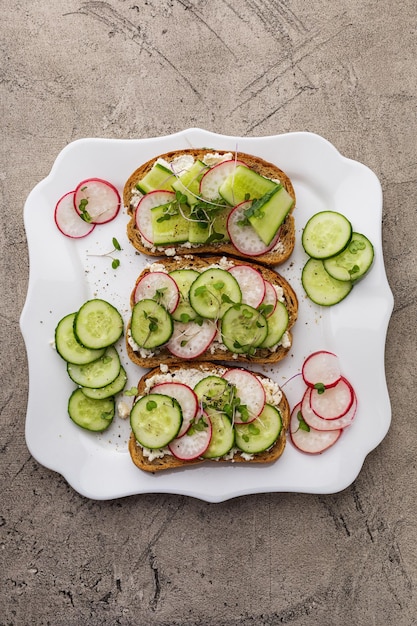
[169, 462]
[263, 356]
[265, 168]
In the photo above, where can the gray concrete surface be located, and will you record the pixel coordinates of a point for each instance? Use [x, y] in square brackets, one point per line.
[345, 69]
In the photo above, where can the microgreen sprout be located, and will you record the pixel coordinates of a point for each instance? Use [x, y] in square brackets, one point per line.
[116, 248]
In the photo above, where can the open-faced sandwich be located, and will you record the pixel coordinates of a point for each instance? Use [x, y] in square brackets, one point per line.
[211, 202]
[210, 308]
[191, 413]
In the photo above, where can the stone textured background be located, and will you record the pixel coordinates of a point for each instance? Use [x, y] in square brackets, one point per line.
[345, 69]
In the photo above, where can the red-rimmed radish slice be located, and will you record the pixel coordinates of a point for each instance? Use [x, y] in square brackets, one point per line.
[190, 339]
[143, 215]
[160, 287]
[270, 298]
[98, 198]
[215, 176]
[314, 421]
[250, 392]
[244, 237]
[67, 219]
[333, 402]
[310, 440]
[321, 367]
[195, 441]
[251, 283]
[186, 398]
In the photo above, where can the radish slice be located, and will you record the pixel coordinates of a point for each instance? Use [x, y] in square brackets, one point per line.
[314, 421]
[251, 283]
[334, 402]
[249, 390]
[244, 237]
[270, 298]
[195, 441]
[98, 198]
[187, 400]
[191, 339]
[143, 213]
[311, 441]
[215, 176]
[321, 367]
[68, 220]
[160, 287]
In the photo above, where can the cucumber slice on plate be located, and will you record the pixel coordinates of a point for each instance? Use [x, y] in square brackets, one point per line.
[326, 234]
[97, 374]
[260, 434]
[67, 345]
[91, 414]
[116, 386]
[355, 260]
[155, 420]
[98, 324]
[151, 325]
[322, 288]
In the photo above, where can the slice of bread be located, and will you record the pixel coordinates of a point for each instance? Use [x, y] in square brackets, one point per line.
[216, 353]
[169, 462]
[276, 256]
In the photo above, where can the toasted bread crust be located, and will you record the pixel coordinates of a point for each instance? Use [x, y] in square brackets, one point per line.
[264, 356]
[259, 165]
[169, 462]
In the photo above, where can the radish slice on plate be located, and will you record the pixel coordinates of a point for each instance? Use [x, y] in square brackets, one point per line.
[160, 287]
[190, 339]
[98, 199]
[270, 298]
[251, 283]
[321, 367]
[195, 441]
[215, 176]
[143, 215]
[319, 423]
[250, 392]
[186, 398]
[333, 402]
[308, 439]
[68, 220]
[244, 237]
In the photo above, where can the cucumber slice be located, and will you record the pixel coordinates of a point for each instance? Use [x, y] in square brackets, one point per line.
[109, 390]
[98, 324]
[268, 213]
[97, 374]
[169, 224]
[277, 325]
[151, 325]
[322, 288]
[201, 231]
[222, 436]
[260, 434]
[213, 292]
[67, 345]
[189, 182]
[184, 312]
[91, 414]
[213, 392]
[244, 184]
[243, 329]
[326, 234]
[155, 420]
[159, 177]
[355, 260]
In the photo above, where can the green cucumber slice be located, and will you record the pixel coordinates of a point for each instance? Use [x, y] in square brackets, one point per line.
[189, 182]
[213, 392]
[151, 325]
[243, 329]
[184, 312]
[277, 325]
[91, 414]
[213, 229]
[213, 292]
[244, 184]
[155, 420]
[222, 436]
[109, 390]
[322, 288]
[170, 224]
[97, 374]
[67, 345]
[98, 324]
[260, 434]
[355, 260]
[326, 234]
[268, 213]
[159, 177]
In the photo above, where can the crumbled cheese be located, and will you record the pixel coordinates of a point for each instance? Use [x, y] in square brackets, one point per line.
[182, 164]
[157, 267]
[170, 251]
[280, 293]
[211, 158]
[272, 390]
[136, 348]
[123, 409]
[163, 367]
[151, 455]
[286, 341]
